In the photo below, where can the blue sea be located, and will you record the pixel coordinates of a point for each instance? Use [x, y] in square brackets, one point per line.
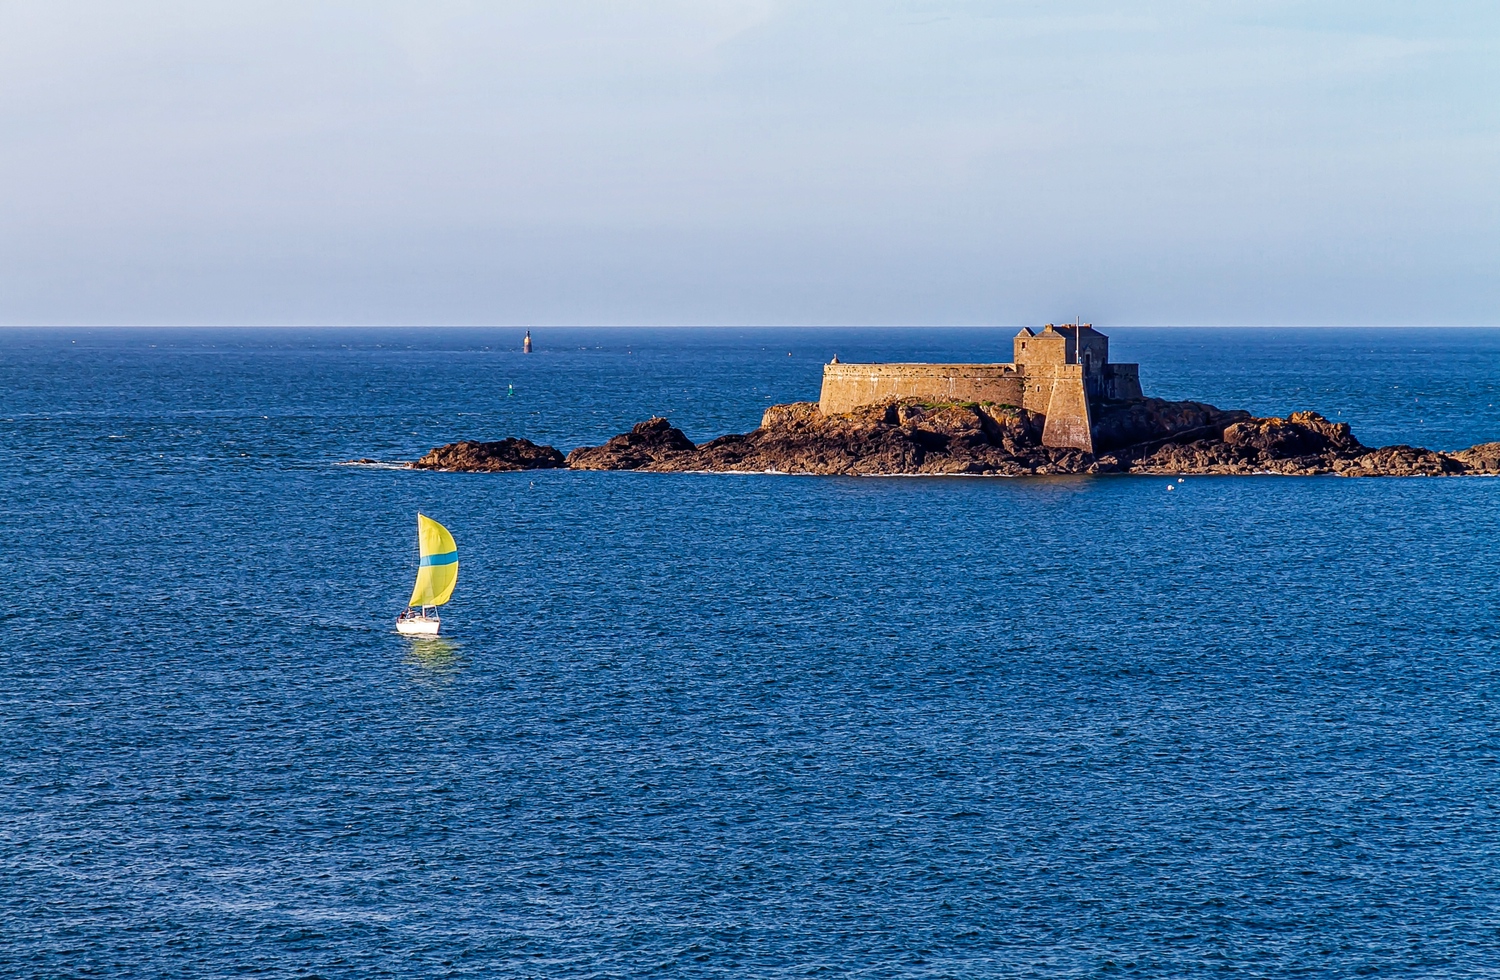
[700, 725]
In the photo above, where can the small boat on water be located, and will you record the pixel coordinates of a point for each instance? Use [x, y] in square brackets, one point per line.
[437, 572]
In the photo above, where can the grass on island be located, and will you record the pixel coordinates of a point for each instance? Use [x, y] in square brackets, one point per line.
[973, 406]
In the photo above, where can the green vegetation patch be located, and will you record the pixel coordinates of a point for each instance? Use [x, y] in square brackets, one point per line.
[972, 406]
[940, 405]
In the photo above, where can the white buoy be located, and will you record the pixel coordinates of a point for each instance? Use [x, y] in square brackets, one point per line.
[1179, 479]
[1170, 487]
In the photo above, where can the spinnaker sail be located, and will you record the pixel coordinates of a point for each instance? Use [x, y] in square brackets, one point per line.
[438, 570]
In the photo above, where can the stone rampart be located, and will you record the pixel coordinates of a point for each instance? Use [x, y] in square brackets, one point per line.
[1122, 382]
[848, 386]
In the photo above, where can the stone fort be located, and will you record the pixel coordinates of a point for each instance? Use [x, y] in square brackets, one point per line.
[1062, 373]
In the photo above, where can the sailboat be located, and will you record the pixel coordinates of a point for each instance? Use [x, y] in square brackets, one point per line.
[437, 571]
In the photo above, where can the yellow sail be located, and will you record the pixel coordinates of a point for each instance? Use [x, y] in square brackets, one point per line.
[438, 570]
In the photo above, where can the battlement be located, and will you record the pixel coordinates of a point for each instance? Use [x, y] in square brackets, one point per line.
[1057, 372]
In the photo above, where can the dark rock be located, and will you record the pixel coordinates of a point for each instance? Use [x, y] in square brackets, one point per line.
[1483, 458]
[1299, 434]
[900, 437]
[653, 444]
[507, 455]
[1400, 461]
[1144, 420]
[1203, 456]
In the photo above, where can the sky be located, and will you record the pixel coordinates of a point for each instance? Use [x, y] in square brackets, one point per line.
[745, 162]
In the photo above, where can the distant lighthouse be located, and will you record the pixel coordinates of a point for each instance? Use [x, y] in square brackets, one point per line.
[526, 344]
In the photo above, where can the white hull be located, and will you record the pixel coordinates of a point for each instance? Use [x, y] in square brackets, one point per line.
[418, 626]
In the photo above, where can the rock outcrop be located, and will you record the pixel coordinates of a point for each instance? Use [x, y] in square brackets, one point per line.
[507, 455]
[1483, 458]
[1399, 461]
[898, 437]
[1147, 436]
[651, 445]
[1303, 444]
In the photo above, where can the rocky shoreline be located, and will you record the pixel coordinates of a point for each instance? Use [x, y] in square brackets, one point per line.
[911, 437]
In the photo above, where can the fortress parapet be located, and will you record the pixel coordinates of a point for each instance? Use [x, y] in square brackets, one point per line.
[1057, 373]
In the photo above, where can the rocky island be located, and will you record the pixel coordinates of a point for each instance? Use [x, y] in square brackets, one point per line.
[1059, 408]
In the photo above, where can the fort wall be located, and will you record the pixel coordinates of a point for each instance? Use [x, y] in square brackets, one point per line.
[1122, 382]
[848, 386]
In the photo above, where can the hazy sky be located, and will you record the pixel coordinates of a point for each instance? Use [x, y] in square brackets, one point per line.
[749, 162]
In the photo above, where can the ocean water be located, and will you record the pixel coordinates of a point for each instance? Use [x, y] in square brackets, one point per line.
[731, 725]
